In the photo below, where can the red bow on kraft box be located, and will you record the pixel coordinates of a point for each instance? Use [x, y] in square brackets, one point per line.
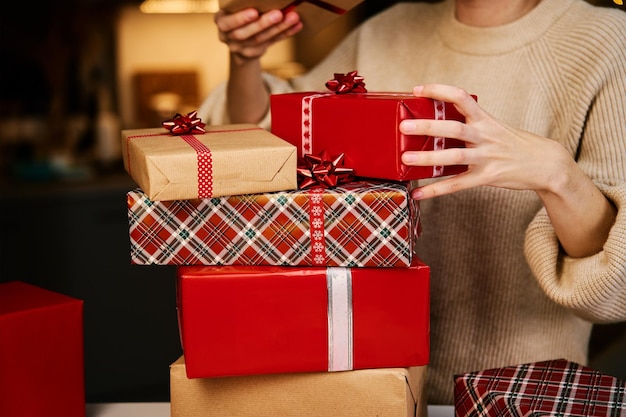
[314, 14]
[186, 160]
[364, 126]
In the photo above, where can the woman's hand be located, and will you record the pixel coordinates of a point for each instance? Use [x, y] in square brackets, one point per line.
[496, 154]
[500, 156]
[248, 33]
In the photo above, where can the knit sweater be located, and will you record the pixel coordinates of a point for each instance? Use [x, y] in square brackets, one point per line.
[502, 290]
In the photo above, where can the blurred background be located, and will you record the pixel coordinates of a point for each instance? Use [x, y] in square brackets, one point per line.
[72, 75]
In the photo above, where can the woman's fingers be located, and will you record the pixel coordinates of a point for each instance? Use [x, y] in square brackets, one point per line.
[438, 128]
[462, 100]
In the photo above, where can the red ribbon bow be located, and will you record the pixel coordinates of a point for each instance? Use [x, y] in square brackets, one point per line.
[322, 172]
[347, 83]
[181, 124]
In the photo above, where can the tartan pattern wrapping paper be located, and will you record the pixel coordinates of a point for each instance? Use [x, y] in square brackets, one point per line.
[365, 223]
[551, 388]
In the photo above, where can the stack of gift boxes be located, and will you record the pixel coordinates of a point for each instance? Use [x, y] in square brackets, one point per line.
[298, 289]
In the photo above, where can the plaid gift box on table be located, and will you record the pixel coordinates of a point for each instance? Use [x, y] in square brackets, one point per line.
[551, 388]
[361, 223]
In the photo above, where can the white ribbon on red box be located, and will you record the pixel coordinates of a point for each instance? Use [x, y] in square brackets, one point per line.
[340, 334]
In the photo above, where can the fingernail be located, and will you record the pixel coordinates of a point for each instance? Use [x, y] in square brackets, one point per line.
[406, 127]
[275, 16]
[417, 194]
[408, 158]
[417, 90]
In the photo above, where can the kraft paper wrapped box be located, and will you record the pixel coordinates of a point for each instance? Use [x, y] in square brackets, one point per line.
[247, 320]
[41, 353]
[314, 14]
[548, 388]
[360, 223]
[365, 128]
[226, 160]
[386, 392]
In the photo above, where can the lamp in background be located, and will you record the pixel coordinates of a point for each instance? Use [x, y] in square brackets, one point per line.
[179, 6]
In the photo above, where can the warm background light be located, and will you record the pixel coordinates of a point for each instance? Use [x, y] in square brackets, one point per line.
[179, 6]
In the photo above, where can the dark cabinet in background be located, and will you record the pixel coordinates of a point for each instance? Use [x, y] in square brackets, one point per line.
[73, 239]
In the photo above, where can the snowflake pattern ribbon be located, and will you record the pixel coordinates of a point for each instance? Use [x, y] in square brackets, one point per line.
[347, 83]
[189, 124]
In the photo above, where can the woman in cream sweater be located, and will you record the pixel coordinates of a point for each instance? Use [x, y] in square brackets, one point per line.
[527, 248]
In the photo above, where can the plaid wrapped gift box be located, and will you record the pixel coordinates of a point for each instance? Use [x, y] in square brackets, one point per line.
[551, 388]
[251, 320]
[316, 122]
[314, 14]
[361, 223]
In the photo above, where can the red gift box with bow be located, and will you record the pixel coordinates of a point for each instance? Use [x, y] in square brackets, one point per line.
[363, 126]
[548, 388]
[247, 320]
[41, 353]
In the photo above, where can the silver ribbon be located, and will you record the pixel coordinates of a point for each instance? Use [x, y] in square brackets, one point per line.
[340, 335]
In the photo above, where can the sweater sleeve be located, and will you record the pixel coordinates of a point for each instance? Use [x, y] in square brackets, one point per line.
[593, 287]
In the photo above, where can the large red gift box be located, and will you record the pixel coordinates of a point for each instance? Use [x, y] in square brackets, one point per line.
[356, 224]
[549, 388]
[365, 128]
[246, 320]
[41, 353]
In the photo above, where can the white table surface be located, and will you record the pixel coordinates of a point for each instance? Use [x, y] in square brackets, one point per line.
[163, 410]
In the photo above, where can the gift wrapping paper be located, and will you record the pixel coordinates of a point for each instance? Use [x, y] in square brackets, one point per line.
[361, 223]
[250, 320]
[385, 392]
[314, 14]
[41, 353]
[364, 127]
[549, 388]
[226, 160]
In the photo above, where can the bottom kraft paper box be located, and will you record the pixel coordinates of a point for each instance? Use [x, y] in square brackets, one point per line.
[385, 392]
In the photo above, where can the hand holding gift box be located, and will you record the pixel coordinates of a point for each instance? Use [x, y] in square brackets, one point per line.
[362, 125]
[314, 14]
[191, 161]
